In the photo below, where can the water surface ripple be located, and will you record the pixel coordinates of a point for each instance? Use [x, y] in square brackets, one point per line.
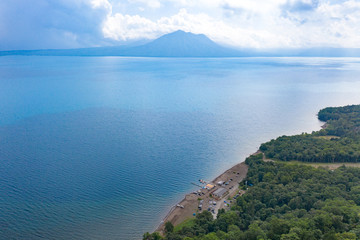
[101, 148]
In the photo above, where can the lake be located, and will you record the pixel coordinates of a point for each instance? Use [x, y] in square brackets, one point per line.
[102, 147]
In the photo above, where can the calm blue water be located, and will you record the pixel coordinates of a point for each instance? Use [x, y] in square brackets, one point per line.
[101, 148]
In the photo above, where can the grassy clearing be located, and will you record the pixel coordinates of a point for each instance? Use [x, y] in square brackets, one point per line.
[327, 137]
[330, 166]
[187, 223]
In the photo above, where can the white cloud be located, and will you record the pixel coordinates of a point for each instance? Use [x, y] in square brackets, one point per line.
[126, 27]
[248, 23]
[148, 3]
[101, 4]
[242, 23]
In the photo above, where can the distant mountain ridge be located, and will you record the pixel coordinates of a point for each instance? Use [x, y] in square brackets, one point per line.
[186, 44]
[175, 44]
[182, 44]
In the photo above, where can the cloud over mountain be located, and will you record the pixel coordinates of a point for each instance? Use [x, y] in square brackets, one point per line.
[242, 23]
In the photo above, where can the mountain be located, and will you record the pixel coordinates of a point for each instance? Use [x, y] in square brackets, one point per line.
[182, 44]
[185, 44]
[175, 44]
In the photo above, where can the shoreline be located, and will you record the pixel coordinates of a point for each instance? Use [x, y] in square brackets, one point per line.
[190, 202]
[177, 215]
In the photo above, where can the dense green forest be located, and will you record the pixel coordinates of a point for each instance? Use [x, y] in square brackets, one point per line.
[286, 202]
[292, 201]
[339, 141]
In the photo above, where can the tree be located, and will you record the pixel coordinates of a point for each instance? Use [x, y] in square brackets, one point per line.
[153, 236]
[169, 227]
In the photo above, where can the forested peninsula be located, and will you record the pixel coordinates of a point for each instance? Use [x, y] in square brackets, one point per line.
[338, 141]
[292, 201]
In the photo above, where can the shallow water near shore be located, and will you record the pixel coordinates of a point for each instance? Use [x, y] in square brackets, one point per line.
[101, 148]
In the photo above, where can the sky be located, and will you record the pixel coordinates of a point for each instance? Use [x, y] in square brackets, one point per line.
[45, 24]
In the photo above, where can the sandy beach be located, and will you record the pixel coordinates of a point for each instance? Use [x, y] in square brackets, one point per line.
[189, 205]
